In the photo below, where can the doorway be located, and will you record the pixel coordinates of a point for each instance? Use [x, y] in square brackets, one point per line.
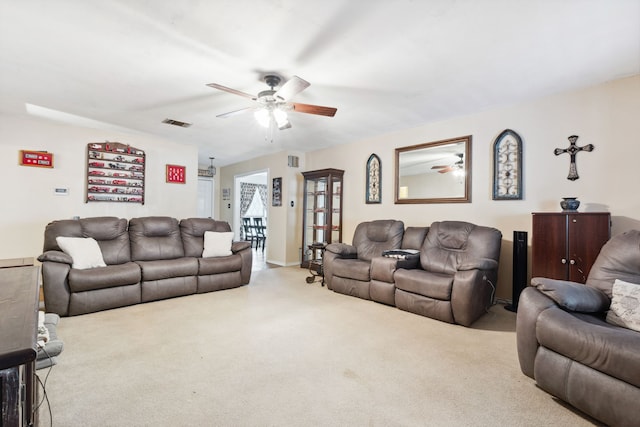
[251, 202]
[205, 197]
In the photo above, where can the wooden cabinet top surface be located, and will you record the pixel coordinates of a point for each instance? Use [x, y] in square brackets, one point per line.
[571, 213]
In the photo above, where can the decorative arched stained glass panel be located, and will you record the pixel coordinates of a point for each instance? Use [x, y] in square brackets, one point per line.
[507, 166]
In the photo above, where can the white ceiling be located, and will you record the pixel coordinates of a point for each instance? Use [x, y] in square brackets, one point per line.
[385, 65]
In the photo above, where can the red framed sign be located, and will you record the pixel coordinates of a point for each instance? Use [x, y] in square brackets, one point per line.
[176, 174]
[40, 159]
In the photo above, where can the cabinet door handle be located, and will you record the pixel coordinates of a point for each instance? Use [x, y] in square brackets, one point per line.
[572, 262]
[564, 261]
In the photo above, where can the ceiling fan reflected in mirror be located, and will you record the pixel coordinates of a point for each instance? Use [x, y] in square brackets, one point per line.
[273, 105]
[455, 167]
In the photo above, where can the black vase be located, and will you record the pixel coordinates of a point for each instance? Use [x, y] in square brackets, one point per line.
[569, 204]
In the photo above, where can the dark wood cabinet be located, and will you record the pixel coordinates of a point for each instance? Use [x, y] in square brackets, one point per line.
[322, 212]
[566, 244]
[19, 300]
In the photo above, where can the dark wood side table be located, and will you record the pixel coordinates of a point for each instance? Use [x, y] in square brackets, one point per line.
[316, 264]
[19, 303]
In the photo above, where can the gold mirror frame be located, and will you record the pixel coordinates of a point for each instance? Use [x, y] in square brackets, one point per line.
[434, 172]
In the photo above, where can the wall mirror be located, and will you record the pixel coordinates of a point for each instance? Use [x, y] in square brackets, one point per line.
[435, 172]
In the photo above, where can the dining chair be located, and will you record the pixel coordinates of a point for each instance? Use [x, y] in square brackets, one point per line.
[259, 228]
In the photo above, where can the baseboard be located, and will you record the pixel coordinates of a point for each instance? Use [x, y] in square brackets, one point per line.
[16, 262]
[283, 264]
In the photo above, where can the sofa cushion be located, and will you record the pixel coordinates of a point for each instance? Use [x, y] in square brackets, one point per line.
[111, 234]
[457, 245]
[352, 269]
[572, 296]
[168, 268]
[192, 231]
[619, 258]
[217, 265]
[374, 237]
[104, 277]
[625, 305]
[591, 341]
[426, 283]
[414, 237]
[217, 244]
[155, 238]
[84, 251]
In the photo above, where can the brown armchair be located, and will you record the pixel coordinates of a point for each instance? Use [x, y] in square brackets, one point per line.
[458, 271]
[566, 344]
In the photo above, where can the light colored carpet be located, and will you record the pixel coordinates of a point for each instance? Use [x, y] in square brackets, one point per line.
[281, 352]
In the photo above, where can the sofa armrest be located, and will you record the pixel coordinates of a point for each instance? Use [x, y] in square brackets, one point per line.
[486, 264]
[572, 296]
[240, 246]
[383, 268]
[56, 256]
[55, 285]
[343, 250]
[530, 305]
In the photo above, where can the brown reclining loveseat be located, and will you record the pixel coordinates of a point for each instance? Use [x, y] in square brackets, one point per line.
[451, 276]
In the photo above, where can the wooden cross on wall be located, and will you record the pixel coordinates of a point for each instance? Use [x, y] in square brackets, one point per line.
[573, 149]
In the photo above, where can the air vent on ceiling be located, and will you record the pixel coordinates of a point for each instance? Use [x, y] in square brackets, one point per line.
[176, 123]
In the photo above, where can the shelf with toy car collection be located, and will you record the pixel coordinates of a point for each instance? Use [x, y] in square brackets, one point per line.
[115, 173]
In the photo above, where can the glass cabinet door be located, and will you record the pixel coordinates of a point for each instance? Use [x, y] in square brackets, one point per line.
[322, 212]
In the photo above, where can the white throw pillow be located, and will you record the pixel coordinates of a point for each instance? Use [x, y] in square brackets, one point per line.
[625, 305]
[84, 250]
[217, 243]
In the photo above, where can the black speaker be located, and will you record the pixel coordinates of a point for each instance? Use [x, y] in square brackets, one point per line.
[520, 244]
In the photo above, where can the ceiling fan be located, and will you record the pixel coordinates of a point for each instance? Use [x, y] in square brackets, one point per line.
[273, 105]
[452, 167]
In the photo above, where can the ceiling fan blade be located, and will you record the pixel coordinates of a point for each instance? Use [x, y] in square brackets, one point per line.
[235, 112]
[440, 167]
[228, 89]
[292, 87]
[314, 109]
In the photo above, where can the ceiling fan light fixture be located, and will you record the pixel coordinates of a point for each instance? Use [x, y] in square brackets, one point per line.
[281, 117]
[263, 117]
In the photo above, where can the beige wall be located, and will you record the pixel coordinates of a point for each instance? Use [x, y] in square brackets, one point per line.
[28, 200]
[284, 224]
[606, 116]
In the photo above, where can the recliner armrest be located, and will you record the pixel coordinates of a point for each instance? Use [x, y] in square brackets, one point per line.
[479, 264]
[572, 296]
[56, 256]
[239, 246]
[383, 268]
[343, 250]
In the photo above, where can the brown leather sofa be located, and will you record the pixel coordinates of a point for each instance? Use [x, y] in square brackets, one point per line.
[566, 345]
[146, 259]
[452, 278]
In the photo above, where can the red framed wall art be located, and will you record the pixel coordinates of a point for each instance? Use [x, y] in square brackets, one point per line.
[176, 174]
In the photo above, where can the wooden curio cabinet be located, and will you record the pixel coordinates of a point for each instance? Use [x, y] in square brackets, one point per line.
[566, 244]
[322, 212]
